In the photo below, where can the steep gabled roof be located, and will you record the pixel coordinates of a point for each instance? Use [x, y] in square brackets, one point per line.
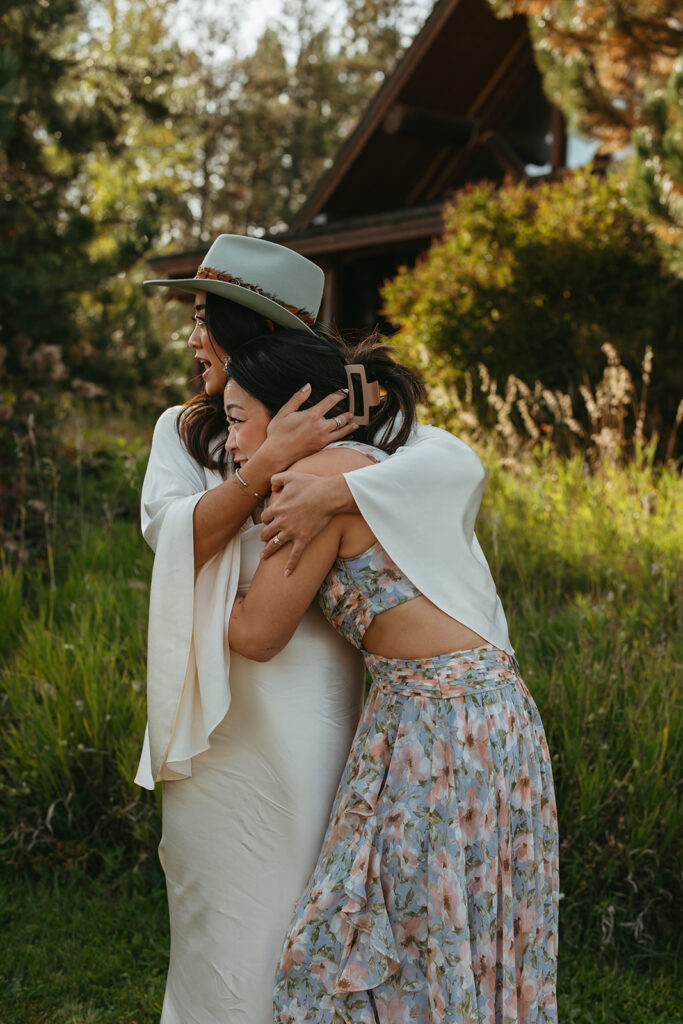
[465, 97]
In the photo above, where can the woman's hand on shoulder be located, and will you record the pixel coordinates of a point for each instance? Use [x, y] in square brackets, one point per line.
[305, 498]
[294, 433]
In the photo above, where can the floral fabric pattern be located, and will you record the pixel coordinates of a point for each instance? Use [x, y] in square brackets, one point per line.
[435, 895]
[361, 587]
[358, 588]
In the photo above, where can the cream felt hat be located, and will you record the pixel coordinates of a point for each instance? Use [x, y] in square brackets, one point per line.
[268, 278]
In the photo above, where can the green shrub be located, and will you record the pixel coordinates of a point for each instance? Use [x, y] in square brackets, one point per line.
[533, 281]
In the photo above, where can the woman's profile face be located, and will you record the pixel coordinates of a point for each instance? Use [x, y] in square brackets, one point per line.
[206, 351]
[248, 421]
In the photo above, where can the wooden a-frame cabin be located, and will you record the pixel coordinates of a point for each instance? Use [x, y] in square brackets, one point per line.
[464, 104]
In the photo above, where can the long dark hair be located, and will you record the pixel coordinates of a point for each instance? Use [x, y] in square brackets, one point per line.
[201, 424]
[274, 365]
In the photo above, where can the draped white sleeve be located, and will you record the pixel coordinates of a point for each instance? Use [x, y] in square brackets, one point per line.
[421, 504]
[188, 691]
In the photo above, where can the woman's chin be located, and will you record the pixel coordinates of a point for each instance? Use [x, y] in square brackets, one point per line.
[214, 387]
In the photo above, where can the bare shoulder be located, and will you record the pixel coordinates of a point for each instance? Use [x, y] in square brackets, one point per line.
[332, 461]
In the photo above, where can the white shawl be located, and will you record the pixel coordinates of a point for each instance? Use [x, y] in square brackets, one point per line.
[188, 658]
[421, 504]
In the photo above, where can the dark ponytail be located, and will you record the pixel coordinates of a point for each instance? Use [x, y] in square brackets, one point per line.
[275, 365]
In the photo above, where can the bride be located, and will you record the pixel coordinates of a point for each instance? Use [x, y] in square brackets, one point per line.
[249, 755]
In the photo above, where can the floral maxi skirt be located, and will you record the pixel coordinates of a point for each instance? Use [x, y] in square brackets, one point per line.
[435, 895]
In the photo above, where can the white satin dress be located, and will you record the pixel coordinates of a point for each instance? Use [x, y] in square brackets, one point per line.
[244, 817]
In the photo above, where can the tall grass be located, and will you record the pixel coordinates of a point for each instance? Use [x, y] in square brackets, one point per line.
[585, 548]
[584, 533]
[588, 566]
[72, 656]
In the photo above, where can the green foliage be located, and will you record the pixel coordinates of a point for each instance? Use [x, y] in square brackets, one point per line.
[533, 281]
[656, 169]
[84, 114]
[615, 70]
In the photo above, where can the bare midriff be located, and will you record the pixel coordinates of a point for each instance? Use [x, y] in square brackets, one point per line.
[418, 629]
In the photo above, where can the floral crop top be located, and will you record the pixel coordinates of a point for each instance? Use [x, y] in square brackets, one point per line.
[359, 588]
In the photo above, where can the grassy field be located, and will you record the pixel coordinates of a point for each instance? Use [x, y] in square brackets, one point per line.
[589, 567]
[94, 953]
[589, 572]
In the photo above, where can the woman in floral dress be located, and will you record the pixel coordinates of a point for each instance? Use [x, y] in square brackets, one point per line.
[435, 894]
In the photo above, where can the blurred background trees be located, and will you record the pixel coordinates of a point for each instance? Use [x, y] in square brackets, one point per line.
[616, 71]
[85, 153]
[128, 126]
[138, 126]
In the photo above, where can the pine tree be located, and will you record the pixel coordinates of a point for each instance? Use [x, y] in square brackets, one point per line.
[616, 70]
[271, 121]
[82, 156]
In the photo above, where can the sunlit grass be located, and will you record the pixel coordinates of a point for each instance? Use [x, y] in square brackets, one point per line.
[587, 563]
[72, 669]
[74, 707]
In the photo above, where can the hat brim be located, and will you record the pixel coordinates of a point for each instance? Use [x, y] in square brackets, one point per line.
[242, 296]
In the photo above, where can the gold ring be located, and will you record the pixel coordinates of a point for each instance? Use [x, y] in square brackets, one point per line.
[276, 539]
[338, 422]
